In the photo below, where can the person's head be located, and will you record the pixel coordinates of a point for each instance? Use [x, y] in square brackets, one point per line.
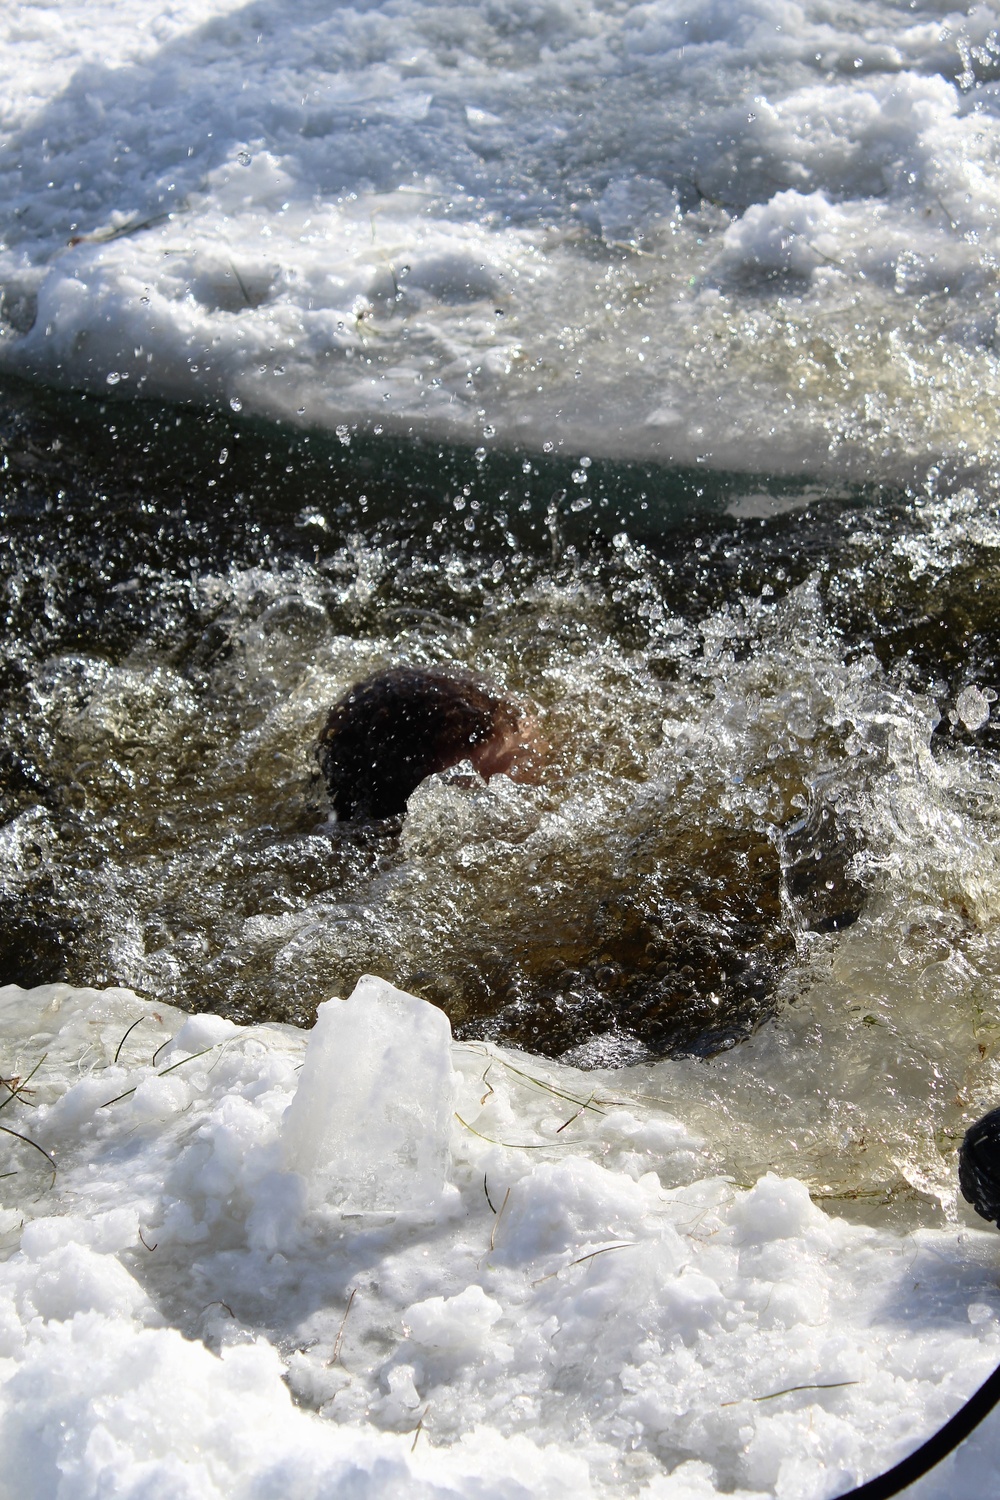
[386, 734]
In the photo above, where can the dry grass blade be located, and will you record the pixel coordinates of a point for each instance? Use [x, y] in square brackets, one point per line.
[573, 1117]
[118, 1049]
[184, 1060]
[218, 1303]
[340, 1332]
[29, 1142]
[16, 1086]
[162, 1074]
[161, 1048]
[550, 1088]
[510, 1145]
[420, 1426]
[119, 231]
[496, 1221]
[487, 1192]
[604, 1250]
[826, 1385]
[241, 284]
[591, 1255]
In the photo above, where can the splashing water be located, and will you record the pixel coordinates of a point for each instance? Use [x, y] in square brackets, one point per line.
[767, 817]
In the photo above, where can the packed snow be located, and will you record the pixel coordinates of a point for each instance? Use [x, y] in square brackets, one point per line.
[552, 1296]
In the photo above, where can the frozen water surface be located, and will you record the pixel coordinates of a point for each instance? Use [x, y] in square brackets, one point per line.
[760, 236]
[591, 1310]
[643, 359]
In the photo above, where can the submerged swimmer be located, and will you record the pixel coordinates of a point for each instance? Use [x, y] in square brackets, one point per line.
[388, 733]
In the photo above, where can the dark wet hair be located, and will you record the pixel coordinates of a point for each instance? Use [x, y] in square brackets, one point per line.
[388, 733]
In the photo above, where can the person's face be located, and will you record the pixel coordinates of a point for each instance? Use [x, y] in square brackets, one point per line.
[518, 752]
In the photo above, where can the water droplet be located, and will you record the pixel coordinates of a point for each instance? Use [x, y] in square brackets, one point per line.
[480, 455]
[236, 403]
[113, 377]
[312, 517]
[224, 454]
[244, 158]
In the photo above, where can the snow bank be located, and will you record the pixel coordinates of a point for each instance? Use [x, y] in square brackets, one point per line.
[581, 1312]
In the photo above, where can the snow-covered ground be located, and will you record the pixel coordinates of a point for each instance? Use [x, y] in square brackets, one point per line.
[206, 1299]
[757, 234]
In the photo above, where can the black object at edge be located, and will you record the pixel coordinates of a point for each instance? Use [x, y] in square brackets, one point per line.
[929, 1454]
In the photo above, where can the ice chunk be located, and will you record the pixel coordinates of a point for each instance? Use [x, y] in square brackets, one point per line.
[973, 707]
[459, 1323]
[369, 1124]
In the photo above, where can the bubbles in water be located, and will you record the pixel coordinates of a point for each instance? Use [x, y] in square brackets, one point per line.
[752, 828]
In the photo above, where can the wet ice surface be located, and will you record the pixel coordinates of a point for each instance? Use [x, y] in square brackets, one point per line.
[582, 1308]
[755, 236]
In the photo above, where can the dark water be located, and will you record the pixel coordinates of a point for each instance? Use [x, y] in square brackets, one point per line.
[184, 593]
